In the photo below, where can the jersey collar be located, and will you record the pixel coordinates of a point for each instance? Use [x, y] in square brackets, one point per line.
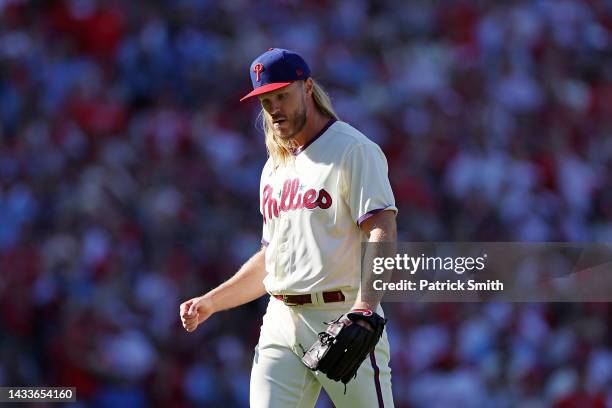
[318, 135]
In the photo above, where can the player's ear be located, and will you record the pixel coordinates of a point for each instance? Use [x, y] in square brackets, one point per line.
[308, 86]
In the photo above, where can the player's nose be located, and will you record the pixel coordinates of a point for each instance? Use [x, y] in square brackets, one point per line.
[276, 108]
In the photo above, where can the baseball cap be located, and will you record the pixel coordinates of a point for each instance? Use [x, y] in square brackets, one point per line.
[275, 69]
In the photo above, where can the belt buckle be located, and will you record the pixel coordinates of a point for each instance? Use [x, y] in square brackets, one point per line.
[286, 301]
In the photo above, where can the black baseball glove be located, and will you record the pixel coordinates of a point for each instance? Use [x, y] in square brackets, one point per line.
[343, 346]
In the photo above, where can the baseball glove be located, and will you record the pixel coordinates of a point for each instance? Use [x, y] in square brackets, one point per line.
[343, 346]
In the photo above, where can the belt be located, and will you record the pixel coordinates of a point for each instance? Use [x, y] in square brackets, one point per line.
[296, 300]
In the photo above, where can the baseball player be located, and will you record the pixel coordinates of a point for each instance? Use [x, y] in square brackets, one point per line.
[324, 190]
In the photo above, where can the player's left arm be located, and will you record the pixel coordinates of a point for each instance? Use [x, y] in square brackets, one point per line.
[379, 228]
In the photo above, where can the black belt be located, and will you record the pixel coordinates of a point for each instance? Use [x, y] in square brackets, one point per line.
[296, 300]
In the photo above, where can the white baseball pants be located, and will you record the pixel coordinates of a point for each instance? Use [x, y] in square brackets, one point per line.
[280, 380]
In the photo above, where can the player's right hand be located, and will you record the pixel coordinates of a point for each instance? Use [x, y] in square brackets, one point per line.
[195, 311]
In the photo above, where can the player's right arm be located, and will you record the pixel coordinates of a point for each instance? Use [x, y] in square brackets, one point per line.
[246, 285]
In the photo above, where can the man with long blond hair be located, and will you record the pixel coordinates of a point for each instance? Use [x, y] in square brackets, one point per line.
[324, 190]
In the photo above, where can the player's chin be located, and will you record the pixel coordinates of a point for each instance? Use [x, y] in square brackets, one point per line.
[283, 133]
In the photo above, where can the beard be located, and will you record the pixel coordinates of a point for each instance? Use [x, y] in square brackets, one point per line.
[294, 124]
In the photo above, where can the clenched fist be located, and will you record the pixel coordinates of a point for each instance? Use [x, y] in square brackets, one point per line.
[195, 311]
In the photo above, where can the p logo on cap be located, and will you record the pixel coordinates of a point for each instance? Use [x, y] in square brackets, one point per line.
[274, 69]
[258, 69]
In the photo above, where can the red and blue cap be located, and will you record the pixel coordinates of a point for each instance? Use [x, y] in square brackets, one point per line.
[274, 69]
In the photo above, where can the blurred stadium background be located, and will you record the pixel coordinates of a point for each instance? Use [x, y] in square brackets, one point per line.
[129, 179]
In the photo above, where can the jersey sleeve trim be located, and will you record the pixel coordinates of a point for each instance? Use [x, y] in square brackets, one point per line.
[374, 212]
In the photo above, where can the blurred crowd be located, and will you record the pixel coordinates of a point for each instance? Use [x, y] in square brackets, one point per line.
[129, 177]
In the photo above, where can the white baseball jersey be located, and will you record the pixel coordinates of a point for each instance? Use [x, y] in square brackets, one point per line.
[312, 210]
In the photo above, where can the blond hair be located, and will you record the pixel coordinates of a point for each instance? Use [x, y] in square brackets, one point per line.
[280, 150]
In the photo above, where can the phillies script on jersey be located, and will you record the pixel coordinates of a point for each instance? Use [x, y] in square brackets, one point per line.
[291, 199]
